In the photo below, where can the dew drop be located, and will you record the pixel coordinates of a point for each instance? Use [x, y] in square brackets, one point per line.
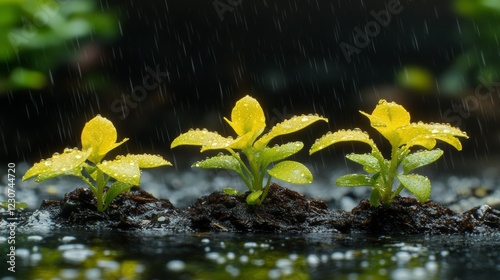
[48, 163]
[78, 156]
[304, 119]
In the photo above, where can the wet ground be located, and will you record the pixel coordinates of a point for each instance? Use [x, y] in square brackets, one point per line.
[152, 254]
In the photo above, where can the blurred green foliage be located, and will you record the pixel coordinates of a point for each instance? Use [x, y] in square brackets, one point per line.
[480, 33]
[37, 35]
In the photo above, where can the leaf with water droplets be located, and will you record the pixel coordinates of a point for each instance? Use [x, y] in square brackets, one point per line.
[342, 136]
[354, 180]
[418, 185]
[247, 116]
[368, 161]
[148, 161]
[280, 152]
[419, 159]
[123, 169]
[68, 163]
[206, 139]
[220, 162]
[286, 127]
[100, 135]
[291, 172]
[387, 117]
[114, 190]
[425, 135]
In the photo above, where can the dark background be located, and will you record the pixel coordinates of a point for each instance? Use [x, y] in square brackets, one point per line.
[284, 53]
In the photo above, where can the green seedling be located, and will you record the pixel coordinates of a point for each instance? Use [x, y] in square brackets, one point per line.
[393, 122]
[98, 138]
[249, 122]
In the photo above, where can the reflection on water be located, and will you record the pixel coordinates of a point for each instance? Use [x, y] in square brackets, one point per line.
[154, 255]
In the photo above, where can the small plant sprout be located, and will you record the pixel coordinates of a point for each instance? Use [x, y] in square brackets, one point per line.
[249, 122]
[393, 122]
[98, 138]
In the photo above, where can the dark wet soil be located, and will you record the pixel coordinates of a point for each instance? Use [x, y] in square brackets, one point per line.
[283, 210]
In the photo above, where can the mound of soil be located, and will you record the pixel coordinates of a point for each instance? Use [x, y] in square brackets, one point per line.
[134, 209]
[283, 210]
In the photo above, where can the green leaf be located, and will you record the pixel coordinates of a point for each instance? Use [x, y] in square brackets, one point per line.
[288, 126]
[100, 135]
[419, 159]
[369, 162]
[354, 180]
[114, 190]
[291, 172]
[231, 191]
[148, 161]
[123, 169]
[68, 163]
[342, 136]
[418, 185]
[206, 139]
[220, 162]
[281, 152]
[253, 197]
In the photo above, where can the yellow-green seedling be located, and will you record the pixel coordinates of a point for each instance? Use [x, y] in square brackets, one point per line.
[98, 138]
[249, 123]
[393, 122]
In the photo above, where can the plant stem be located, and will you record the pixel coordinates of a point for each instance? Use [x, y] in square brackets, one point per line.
[386, 196]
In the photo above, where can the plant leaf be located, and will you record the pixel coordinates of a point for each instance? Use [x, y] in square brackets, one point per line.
[288, 126]
[253, 197]
[280, 152]
[231, 191]
[148, 161]
[68, 163]
[342, 136]
[206, 139]
[386, 118]
[220, 162]
[369, 162]
[419, 159]
[114, 190]
[123, 169]
[354, 180]
[418, 185]
[291, 172]
[100, 135]
[247, 116]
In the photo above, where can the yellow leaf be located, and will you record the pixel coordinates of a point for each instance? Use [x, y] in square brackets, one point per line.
[425, 135]
[387, 117]
[147, 161]
[58, 164]
[288, 126]
[342, 136]
[123, 169]
[206, 139]
[247, 116]
[100, 135]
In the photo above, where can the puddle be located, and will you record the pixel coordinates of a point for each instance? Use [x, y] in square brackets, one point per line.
[154, 255]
